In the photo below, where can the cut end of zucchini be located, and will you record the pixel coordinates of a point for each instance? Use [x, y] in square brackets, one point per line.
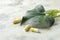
[26, 28]
[32, 30]
[16, 21]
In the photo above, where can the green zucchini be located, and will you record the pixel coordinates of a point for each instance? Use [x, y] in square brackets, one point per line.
[38, 10]
[40, 21]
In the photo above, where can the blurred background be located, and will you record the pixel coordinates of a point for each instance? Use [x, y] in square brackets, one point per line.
[11, 9]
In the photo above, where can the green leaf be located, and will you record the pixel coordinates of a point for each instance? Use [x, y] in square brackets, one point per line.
[52, 13]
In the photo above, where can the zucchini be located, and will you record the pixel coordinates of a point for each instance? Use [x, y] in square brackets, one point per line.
[38, 10]
[40, 21]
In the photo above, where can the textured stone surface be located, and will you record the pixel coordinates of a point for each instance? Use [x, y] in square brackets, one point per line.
[11, 9]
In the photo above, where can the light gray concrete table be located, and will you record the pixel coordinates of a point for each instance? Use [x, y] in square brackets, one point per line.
[11, 9]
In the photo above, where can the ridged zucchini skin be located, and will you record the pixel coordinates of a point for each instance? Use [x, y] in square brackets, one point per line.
[38, 10]
[40, 21]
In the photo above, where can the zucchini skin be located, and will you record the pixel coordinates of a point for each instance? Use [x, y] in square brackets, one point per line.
[38, 10]
[40, 21]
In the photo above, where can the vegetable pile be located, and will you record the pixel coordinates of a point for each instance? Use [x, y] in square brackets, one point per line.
[37, 18]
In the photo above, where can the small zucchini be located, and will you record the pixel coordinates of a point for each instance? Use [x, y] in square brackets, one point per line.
[40, 21]
[38, 10]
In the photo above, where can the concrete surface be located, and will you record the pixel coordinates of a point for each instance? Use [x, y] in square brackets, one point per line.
[11, 9]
